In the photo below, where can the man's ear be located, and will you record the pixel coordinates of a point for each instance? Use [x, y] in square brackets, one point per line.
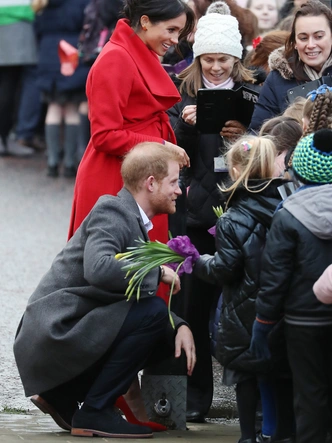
[150, 183]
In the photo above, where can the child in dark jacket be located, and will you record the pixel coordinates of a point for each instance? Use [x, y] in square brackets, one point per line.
[240, 238]
[60, 20]
[298, 249]
[217, 65]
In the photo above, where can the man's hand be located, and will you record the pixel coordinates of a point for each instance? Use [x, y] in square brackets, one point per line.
[185, 340]
[168, 276]
[233, 130]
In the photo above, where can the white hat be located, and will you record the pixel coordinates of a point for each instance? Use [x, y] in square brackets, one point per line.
[220, 7]
[217, 33]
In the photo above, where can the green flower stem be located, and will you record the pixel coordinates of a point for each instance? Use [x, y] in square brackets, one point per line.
[170, 297]
[141, 259]
[218, 211]
[141, 273]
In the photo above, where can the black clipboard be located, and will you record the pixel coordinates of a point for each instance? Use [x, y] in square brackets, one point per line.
[216, 106]
[303, 90]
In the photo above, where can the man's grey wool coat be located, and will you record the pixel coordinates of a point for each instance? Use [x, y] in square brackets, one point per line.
[78, 308]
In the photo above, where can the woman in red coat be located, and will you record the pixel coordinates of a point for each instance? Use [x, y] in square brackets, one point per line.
[128, 93]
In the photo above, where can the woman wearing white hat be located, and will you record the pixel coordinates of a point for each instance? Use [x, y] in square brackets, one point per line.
[217, 65]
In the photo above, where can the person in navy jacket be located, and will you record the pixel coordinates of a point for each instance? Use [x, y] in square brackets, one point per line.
[305, 57]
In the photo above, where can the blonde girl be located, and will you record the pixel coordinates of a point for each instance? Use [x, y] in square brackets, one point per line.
[240, 238]
[217, 65]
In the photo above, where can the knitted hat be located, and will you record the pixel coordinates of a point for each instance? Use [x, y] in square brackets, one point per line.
[312, 160]
[219, 7]
[218, 33]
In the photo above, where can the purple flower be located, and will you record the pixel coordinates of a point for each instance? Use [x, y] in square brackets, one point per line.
[183, 246]
[186, 267]
[212, 231]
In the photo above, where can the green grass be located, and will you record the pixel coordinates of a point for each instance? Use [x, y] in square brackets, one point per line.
[8, 410]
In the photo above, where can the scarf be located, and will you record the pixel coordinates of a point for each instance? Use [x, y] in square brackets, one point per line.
[312, 74]
[228, 84]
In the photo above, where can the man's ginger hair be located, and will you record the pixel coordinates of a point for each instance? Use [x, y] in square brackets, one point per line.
[144, 160]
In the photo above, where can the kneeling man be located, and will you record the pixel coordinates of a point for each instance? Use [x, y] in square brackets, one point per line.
[80, 340]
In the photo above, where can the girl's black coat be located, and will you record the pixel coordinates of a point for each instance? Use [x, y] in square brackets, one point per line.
[240, 239]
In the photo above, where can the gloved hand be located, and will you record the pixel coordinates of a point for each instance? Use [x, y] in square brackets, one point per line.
[259, 341]
[233, 130]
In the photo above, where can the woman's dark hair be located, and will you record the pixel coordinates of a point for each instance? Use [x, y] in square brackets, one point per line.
[159, 11]
[285, 131]
[313, 8]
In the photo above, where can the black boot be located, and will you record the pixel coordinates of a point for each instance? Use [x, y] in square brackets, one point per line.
[4, 152]
[70, 144]
[260, 438]
[70, 172]
[52, 171]
[53, 145]
[88, 422]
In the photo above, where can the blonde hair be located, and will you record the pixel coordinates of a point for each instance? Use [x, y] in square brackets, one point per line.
[295, 109]
[144, 160]
[191, 77]
[253, 157]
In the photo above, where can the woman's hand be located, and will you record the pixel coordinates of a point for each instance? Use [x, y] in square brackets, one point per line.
[233, 130]
[189, 114]
[184, 158]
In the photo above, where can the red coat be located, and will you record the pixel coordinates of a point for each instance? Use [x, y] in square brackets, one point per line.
[128, 93]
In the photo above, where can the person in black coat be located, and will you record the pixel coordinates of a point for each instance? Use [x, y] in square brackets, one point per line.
[291, 65]
[240, 239]
[298, 249]
[60, 20]
[217, 65]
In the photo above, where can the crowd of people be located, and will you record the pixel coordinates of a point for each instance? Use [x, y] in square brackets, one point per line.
[146, 166]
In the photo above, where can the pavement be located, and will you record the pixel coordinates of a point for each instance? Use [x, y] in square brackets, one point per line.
[37, 428]
[34, 218]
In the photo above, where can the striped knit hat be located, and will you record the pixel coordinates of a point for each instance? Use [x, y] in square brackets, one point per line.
[312, 160]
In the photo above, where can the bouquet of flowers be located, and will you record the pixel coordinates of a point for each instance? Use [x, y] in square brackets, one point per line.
[179, 254]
